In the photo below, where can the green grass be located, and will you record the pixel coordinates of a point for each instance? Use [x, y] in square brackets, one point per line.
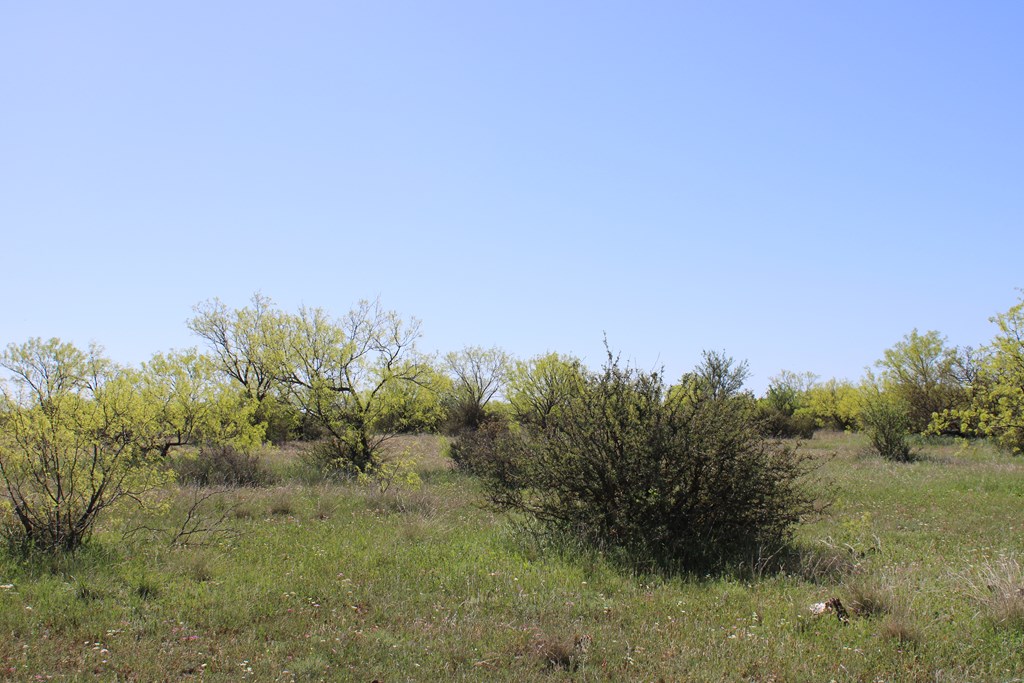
[336, 582]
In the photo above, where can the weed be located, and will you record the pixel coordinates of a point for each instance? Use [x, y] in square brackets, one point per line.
[86, 592]
[198, 569]
[147, 587]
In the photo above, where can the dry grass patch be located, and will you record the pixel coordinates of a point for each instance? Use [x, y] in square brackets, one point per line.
[998, 587]
[282, 503]
[868, 598]
[902, 629]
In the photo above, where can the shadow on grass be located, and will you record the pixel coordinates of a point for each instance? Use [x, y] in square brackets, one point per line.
[813, 564]
[26, 563]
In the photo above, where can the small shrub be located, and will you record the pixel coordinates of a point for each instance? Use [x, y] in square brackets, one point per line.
[887, 425]
[462, 416]
[331, 459]
[563, 653]
[391, 475]
[488, 451]
[87, 593]
[147, 587]
[221, 466]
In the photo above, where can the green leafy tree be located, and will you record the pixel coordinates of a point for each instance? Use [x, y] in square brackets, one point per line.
[195, 405]
[248, 345]
[832, 404]
[73, 434]
[416, 406]
[779, 410]
[343, 374]
[477, 375]
[717, 376]
[996, 389]
[788, 390]
[921, 370]
[540, 389]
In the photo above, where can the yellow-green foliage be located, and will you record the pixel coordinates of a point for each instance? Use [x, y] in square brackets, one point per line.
[921, 371]
[392, 475]
[478, 376]
[409, 407]
[196, 404]
[834, 404]
[342, 374]
[996, 407]
[73, 431]
[540, 388]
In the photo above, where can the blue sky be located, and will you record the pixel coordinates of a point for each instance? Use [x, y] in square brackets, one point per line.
[798, 184]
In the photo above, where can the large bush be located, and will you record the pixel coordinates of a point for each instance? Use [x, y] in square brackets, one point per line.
[75, 437]
[679, 477]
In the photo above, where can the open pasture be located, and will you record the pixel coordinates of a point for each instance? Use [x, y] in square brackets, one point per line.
[337, 581]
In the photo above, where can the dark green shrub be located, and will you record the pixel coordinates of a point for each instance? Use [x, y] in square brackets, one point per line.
[461, 416]
[680, 477]
[221, 466]
[491, 451]
[327, 458]
[779, 425]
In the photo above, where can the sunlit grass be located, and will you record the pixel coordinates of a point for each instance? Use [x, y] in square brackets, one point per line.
[334, 581]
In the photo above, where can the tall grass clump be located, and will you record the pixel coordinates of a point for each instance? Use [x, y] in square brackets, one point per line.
[999, 588]
[676, 477]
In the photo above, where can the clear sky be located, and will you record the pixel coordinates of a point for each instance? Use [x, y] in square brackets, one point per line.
[798, 184]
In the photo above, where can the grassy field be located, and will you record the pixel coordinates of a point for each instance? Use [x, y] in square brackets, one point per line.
[340, 582]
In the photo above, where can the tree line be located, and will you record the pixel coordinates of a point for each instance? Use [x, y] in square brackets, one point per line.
[79, 433]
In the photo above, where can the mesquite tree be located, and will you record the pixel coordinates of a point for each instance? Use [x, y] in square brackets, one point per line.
[73, 434]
